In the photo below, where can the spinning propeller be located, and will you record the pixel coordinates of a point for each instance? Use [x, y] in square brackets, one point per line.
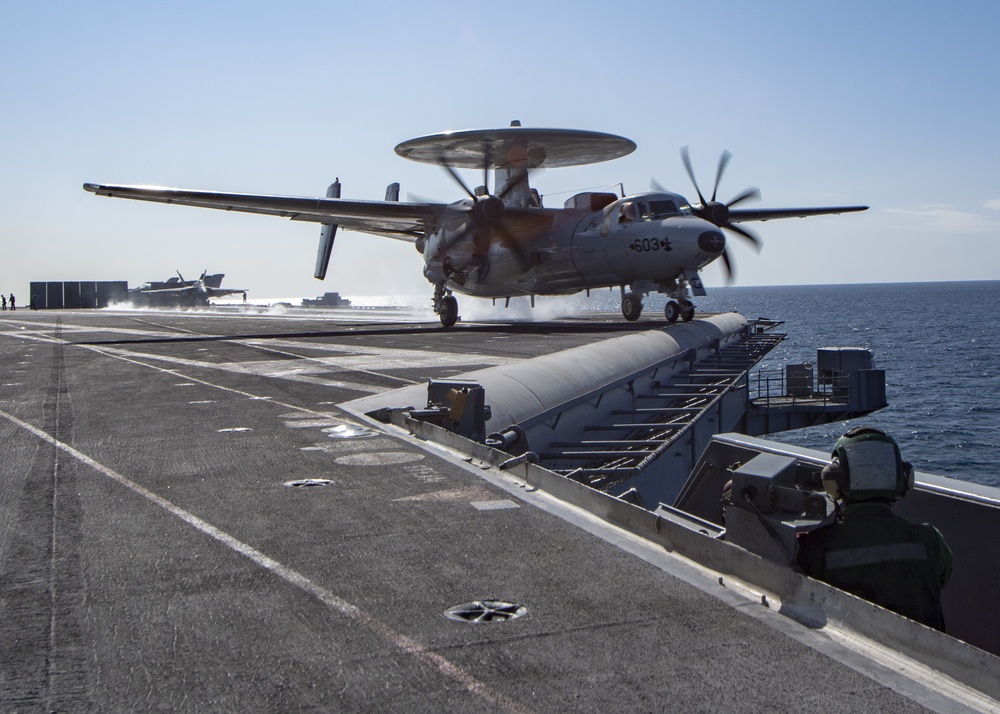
[717, 212]
[488, 210]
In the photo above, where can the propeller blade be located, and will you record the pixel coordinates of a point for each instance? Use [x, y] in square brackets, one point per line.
[509, 241]
[723, 161]
[481, 242]
[654, 185]
[487, 160]
[459, 235]
[687, 165]
[454, 174]
[728, 267]
[749, 193]
[522, 174]
[746, 234]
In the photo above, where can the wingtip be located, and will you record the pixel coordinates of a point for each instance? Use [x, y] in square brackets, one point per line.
[92, 187]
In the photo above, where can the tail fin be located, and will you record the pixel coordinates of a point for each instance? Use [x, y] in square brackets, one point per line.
[326, 237]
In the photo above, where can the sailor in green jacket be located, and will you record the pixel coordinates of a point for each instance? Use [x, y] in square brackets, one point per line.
[870, 551]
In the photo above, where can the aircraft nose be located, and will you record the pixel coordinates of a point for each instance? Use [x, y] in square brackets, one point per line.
[712, 242]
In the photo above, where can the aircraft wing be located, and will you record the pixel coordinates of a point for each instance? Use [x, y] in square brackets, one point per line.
[765, 214]
[404, 221]
[176, 291]
[222, 292]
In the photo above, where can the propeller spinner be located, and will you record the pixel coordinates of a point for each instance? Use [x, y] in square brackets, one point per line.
[717, 212]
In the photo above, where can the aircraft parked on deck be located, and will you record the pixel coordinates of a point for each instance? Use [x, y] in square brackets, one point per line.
[178, 291]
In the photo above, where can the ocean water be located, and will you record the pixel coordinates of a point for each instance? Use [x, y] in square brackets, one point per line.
[939, 344]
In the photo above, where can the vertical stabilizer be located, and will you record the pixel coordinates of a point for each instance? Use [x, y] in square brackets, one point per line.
[326, 237]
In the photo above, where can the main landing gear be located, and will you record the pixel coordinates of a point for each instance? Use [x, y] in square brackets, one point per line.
[445, 305]
[632, 306]
[674, 310]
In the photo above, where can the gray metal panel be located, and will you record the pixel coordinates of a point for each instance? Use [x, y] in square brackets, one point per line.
[88, 294]
[54, 295]
[71, 294]
[39, 296]
[111, 291]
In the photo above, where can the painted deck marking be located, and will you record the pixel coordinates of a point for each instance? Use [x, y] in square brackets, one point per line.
[292, 577]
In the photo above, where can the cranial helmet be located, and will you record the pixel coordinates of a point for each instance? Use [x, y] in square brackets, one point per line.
[867, 464]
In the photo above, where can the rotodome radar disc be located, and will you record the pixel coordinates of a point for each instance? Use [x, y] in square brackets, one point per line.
[513, 146]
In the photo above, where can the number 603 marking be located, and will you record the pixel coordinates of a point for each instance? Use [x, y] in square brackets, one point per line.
[649, 245]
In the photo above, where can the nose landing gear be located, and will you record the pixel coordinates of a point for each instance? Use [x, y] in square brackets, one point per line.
[677, 308]
[674, 311]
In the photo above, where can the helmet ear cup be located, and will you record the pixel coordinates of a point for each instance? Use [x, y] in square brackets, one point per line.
[908, 478]
[833, 476]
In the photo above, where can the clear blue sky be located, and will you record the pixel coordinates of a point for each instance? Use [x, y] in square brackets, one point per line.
[889, 104]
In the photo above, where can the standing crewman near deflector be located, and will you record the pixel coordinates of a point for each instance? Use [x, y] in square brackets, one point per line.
[871, 552]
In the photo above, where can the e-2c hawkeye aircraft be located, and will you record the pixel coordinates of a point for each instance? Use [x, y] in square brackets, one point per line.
[504, 243]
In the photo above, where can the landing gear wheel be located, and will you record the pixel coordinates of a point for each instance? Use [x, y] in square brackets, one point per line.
[448, 312]
[687, 311]
[672, 311]
[632, 306]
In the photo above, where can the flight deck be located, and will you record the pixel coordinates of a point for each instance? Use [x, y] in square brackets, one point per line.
[193, 522]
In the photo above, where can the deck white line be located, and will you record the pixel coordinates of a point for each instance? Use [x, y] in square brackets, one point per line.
[290, 576]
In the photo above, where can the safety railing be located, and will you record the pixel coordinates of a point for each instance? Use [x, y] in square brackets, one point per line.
[799, 386]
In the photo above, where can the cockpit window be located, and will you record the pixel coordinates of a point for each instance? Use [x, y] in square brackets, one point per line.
[662, 207]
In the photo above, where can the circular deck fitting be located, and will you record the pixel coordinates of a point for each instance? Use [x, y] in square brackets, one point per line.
[480, 611]
[349, 431]
[515, 147]
[379, 458]
[307, 482]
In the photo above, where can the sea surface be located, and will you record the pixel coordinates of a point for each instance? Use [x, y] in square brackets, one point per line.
[939, 344]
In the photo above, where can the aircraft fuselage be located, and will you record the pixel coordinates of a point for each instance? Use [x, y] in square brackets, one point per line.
[639, 239]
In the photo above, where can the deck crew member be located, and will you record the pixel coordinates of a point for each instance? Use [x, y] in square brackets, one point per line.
[871, 552]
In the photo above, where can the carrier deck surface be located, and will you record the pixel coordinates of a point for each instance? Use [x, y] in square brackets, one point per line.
[155, 557]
